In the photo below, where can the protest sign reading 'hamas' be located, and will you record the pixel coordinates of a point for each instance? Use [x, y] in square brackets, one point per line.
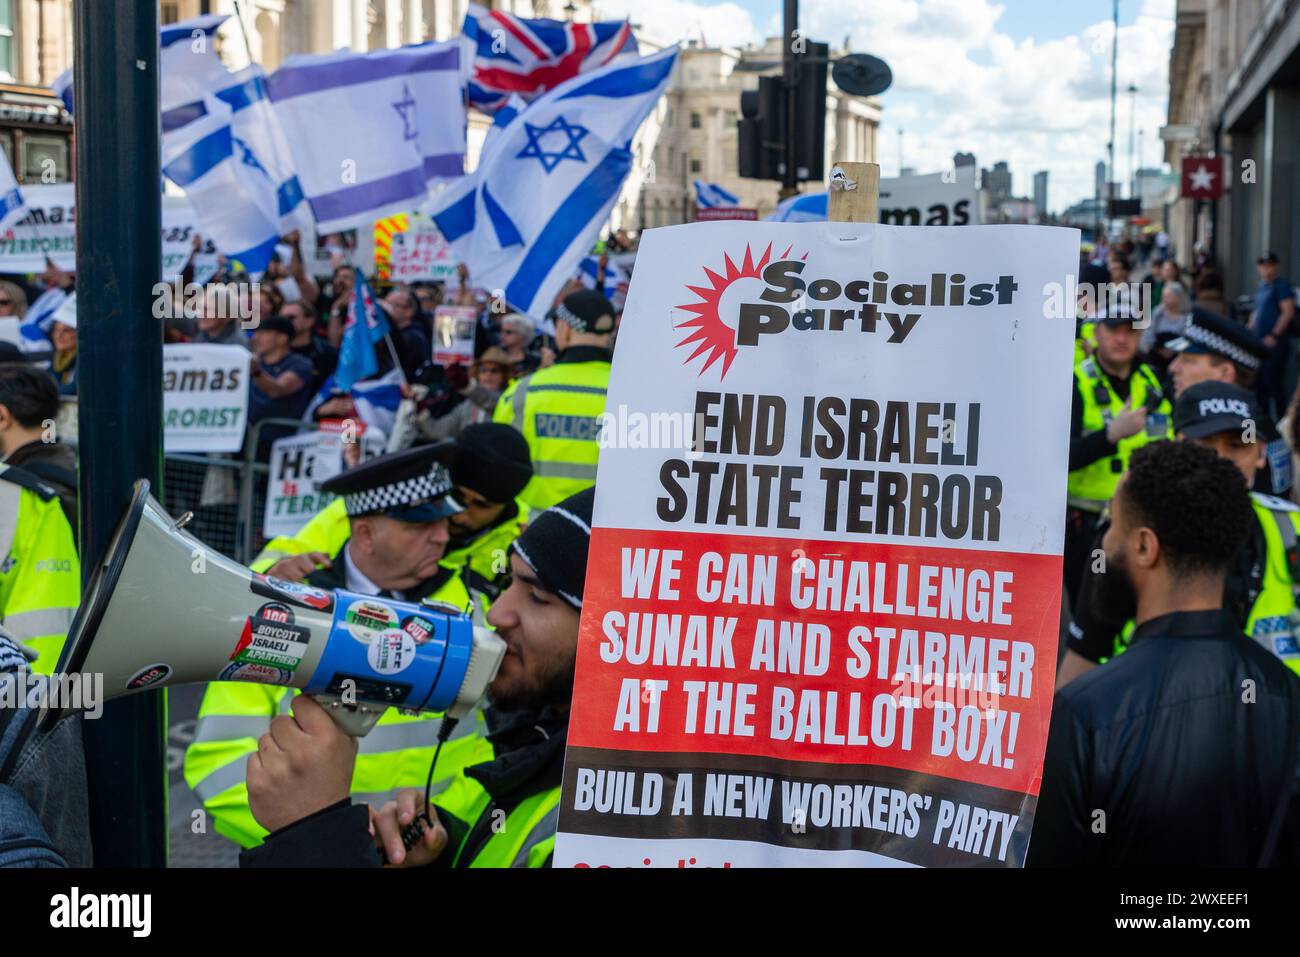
[205, 397]
[823, 592]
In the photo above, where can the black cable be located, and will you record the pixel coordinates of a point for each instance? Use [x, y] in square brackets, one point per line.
[412, 833]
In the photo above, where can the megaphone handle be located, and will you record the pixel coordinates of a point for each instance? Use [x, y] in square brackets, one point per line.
[351, 719]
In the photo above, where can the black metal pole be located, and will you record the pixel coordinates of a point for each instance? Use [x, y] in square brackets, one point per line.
[1110, 146]
[790, 76]
[119, 380]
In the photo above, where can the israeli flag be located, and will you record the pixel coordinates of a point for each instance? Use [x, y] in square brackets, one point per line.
[35, 328]
[12, 205]
[369, 133]
[713, 196]
[546, 182]
[188, 65]
[376, 400]
[589, 271]
[263, 152]
[804, 208]
[203, 159]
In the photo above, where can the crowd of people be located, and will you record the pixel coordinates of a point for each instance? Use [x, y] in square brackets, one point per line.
[1177, 687]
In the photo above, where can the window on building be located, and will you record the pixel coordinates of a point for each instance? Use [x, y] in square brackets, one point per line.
[668, 118]
[7, 39]
[695, 121]
[7, 144]
[732, 117]
[170, 13]
[42, 153]
[696, 166]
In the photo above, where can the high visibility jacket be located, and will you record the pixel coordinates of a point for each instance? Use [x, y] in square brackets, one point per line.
[395, 754]
[328, 531]
[525, 837]
[1092, 486]
[1274, 621]
[40, 575]
[1086, 341]
[558, 411]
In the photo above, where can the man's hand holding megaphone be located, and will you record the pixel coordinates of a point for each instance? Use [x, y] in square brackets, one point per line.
[302, 765]
[388, 824]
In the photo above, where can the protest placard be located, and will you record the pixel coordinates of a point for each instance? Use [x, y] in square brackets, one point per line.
[453, 334]
[419, 253]
[300, 464]
[822, 604]
[48, 228]
[205, 397]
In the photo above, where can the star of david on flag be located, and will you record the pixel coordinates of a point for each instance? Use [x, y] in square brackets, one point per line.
[547, 179]
[538, 136]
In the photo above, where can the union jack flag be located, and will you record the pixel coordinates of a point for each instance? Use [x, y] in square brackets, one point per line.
[508, 54]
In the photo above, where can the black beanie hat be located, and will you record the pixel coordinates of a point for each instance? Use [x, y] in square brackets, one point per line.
[493, 460]
[554, 546]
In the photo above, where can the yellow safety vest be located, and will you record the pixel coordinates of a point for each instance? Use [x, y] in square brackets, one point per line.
[1274, 621]
[558, 411]
[395, 754]
[1092, 486]
[40, 574]
[523, 838]
[328, 532]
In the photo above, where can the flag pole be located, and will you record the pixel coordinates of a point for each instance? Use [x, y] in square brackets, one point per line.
[397, 364]
[243, 30]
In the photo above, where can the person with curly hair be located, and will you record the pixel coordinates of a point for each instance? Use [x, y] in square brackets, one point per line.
[1182, 751]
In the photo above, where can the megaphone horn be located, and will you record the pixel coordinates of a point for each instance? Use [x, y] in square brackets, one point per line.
[163, 609]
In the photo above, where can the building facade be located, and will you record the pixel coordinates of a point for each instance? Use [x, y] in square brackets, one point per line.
[1234, 91]
[699, 139]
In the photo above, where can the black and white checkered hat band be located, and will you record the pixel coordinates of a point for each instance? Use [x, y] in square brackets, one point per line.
[566, 315]
[1221, 345]
[413, 491]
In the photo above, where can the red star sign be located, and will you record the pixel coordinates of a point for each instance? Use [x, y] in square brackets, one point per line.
[1202, 177]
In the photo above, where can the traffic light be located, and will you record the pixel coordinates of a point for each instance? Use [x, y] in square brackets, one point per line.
[761, 131]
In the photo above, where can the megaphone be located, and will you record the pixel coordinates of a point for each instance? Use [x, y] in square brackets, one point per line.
[164, 609]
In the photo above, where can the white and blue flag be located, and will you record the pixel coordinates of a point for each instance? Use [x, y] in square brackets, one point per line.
[376, 400]
[369, 132]
[188, 65]
[713, 196]
[263, 153]
[547, 180]
[12, 205]
[204, 159]
[804, 208]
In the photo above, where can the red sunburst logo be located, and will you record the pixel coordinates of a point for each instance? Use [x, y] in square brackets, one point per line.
[709, 333]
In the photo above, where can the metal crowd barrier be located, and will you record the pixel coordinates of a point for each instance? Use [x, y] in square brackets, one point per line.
[226, 492]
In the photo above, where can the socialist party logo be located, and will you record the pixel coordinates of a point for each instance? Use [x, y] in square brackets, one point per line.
[794, 299]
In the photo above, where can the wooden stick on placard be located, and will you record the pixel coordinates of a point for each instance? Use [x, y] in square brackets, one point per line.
[854, 193]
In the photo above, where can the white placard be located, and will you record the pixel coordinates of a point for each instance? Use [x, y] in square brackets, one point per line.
[832, 467]
[205, 397]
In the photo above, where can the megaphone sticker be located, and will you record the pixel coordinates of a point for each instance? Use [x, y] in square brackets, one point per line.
[270, 637]
[148, 675]
[371, 640]
[295, 592]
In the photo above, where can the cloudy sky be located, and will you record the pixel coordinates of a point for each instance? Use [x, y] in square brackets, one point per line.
[1027, 81]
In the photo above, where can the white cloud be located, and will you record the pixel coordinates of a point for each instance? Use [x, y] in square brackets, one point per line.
[962, 83]
[670, 21]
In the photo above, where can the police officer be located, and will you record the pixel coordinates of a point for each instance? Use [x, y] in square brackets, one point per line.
[1216, 349]
[1261, 583]
[489, 464]
[558, 409]
[398, 508]
[40, 576]
[501, 812]
[1118, 406]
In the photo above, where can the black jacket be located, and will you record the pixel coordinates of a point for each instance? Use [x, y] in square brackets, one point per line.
[528, 750]
[1180, 753]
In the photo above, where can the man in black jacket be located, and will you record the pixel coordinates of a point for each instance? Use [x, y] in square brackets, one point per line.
[1181, 752]
[500, 812]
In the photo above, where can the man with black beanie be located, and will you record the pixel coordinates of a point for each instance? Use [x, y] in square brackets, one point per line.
[499, 813]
